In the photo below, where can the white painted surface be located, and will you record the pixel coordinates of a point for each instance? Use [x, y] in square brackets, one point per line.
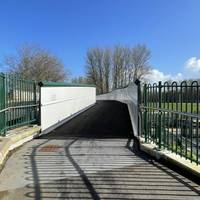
[59, 103]
[128, 95]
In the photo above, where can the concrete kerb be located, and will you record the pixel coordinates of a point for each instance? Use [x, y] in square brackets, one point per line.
[170, 158]
[16, 138]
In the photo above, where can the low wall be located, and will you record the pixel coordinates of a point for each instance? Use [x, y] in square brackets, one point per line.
[128, 95]
[60, 102]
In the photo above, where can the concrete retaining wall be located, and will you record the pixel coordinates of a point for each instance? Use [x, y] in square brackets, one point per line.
[128, 95]
[61, 103]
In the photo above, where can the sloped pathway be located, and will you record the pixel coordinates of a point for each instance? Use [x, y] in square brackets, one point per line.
[91, 157]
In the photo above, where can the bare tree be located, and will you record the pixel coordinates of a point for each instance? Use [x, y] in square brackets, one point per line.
[117, 59]
[91, 68]
[33, 62]
[110, 69]
[98, 68]
[98, 53]
[140, 62]
[107, 69]
[127, 65]
[80, 80]
[94, 68]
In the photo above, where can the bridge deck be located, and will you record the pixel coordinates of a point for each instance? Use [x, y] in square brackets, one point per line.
[89, 158]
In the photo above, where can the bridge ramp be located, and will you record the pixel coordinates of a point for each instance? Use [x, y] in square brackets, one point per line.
[91, 157]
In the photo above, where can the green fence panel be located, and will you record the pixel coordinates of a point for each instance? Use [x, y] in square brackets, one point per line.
[170, 117]
[18, 102]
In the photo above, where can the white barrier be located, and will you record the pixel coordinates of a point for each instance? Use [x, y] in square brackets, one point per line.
[61, 102]
[128, 95]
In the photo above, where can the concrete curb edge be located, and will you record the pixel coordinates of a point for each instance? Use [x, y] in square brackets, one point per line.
[14, 140]
[171, 158]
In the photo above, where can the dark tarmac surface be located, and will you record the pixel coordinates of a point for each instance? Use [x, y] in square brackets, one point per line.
[107, 119]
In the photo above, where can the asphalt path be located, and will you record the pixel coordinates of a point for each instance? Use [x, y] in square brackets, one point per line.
[91, 157]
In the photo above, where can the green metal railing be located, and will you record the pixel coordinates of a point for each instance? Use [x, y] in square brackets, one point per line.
[18, 102]
[170, 117]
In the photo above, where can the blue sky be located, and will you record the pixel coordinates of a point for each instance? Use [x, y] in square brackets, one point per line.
[169, 28]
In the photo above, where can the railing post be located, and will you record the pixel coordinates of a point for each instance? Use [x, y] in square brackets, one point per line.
[2, 104]
[145, 111]
[159, 114]
[39, 109]
[35, 100]
[137, 82]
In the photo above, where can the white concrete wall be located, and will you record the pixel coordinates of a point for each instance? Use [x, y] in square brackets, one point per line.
[128, 95]
[59, 103]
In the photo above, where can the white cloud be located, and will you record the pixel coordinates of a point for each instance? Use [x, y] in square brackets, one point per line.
[190, 71]
[192, 68]
[155, 75]
[193, 64]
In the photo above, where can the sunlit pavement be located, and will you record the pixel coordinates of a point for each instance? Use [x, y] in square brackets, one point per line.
[91, 157]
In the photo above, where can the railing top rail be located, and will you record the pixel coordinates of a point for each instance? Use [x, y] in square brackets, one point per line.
[172, 111]
[174, 84]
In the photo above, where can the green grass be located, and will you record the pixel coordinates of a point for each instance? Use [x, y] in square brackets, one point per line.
[186, 107]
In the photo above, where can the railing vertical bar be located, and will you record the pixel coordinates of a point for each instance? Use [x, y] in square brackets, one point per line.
[197, 127]
[35, 99]
[26, 99]
[168, 118]
[197, 140]
[145, 111]
[181, 123]
[149, 118]
[147, 121]
[172, 119]
[186, 125]
[191, 139]
[164, 116]
[176, 100]
[160, 114]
